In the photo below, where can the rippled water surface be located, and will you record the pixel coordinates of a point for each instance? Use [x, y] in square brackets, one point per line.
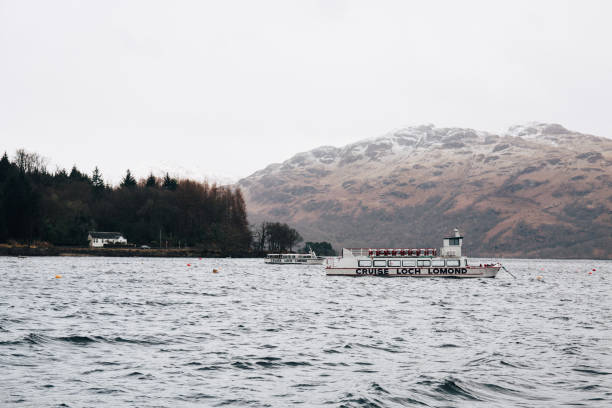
[156, 332]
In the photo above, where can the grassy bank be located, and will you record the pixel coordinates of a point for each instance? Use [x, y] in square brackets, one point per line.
[8, 250]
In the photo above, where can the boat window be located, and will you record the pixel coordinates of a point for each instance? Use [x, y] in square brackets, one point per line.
[380, 262]
[408, 262]
[453, 262]
[453, 241]
[439, 262]
[365, 263]
[423, 262]
[395, 263]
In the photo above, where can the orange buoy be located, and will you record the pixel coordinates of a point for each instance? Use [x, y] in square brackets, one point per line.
[58, 276]
[215, 271]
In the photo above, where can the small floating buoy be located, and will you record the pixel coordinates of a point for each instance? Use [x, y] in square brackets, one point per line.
[594, 269]
[539, 277]
[58, 276]
[590, 273]
[215, 271]
[188, 264]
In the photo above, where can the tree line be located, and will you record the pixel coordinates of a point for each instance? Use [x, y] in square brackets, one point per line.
[275, 237]
[60, 207]
[280, 238]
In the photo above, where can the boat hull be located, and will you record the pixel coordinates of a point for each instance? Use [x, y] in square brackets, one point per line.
[463, 272]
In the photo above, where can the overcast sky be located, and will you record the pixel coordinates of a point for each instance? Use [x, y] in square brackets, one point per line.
[228, 87]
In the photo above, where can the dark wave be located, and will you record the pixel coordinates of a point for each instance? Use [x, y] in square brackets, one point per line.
[108, 363]
[100, 390]
[195, 397]
[377, 388]
[10, 342]
[360, 402]
[39, 339]
[35, 338]
[407, 401]
[450, 387]
[209, 368]
[501, 390]
[591, 371]
[242, 365]
[138, 341]
[296, 363]
[588, 387]
[80, 339]
[267, 364]
[305, 385]
[387, 349]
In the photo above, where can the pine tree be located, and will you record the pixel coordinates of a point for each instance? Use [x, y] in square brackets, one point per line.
[128, 181]
[151, 181]
[76, 175]
[169, 183]
[97, 181]
[96, 178]
[5, 160]
[5, 167]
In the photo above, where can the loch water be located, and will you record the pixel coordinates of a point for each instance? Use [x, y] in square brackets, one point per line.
[144, 332]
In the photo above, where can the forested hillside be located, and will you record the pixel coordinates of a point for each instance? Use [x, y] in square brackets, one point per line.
[61, 207]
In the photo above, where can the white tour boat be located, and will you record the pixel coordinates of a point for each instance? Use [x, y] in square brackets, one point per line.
[410, 262]
[295, 259]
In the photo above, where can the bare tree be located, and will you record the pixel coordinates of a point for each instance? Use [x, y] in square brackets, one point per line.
[260, 236]
[29, 163]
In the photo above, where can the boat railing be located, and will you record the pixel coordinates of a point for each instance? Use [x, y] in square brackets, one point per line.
[399, 252]
[358, 251]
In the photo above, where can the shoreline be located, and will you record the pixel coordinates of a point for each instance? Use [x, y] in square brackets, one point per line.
[116, 252]
[24, 251]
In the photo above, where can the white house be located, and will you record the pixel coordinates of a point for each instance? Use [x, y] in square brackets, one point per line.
[99, 239]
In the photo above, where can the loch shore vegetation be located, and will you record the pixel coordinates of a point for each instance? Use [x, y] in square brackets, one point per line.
[60, 207]
[275, 237]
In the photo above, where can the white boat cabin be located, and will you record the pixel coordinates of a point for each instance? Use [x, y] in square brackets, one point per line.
[301, 259]
[452, 245]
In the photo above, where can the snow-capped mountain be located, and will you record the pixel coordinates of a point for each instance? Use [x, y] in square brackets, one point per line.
[536, 190]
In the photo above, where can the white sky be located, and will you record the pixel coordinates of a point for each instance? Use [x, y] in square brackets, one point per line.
[228, 87]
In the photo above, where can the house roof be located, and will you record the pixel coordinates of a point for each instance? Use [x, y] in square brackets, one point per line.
[105, 235]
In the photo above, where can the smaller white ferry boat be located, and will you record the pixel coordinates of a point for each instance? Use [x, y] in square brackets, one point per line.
[410, 262]
[295, 259]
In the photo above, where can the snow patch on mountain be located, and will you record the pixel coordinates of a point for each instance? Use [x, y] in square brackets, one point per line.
[551, 133]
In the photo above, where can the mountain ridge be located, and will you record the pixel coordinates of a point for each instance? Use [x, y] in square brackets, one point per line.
[532, 184]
